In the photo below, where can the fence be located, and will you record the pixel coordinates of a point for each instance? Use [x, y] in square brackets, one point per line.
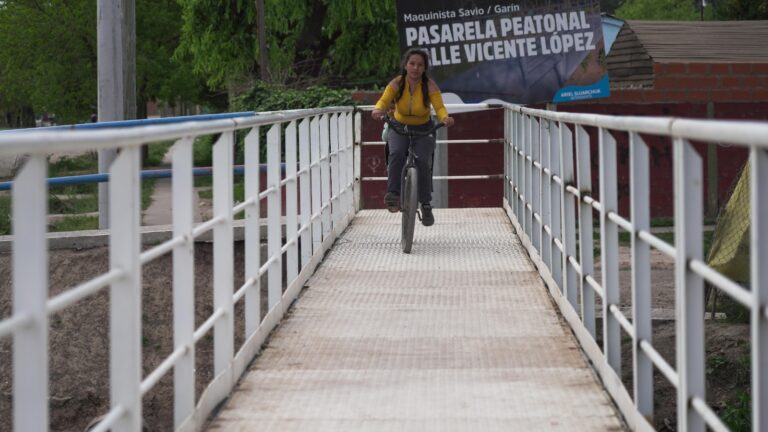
[319, 203]
[549, 197]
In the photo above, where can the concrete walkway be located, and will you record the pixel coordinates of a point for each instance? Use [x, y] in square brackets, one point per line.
[159, 212]
[459, 335]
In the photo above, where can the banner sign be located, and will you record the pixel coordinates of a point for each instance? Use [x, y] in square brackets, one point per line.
[525, 52]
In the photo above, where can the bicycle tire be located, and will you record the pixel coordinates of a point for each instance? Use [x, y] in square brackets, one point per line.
[410, 202]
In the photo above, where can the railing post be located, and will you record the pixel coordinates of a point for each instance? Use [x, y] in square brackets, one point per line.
[521, 170]
[568, 219]
[536, 191]
[317, 233]
[125, 294]
[325, 176]
[508, 168]
[547, 239]
[30, 294]
[306, 198]
[759, 255]
[689, 286]
[343, 166]
[252, 232]
[586, 242]
[335, 198]
[357, 155]
[183, 282]
[274, 223]
[352, 187]
[555, 201]
[528, 161]
[223, 255]
[641, 275]
[609, 249]
[291, 204]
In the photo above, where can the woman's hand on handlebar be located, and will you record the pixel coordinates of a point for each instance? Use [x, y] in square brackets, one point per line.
[378, 114]
[448, 121]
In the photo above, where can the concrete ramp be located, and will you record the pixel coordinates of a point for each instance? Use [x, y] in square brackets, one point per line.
[459, 335]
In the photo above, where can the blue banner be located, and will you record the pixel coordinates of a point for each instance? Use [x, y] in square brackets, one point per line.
[523, 52]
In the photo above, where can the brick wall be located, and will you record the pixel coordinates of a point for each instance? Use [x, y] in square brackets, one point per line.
[694, 90]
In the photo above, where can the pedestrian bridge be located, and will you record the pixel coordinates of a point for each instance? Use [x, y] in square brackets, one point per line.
[497, 320]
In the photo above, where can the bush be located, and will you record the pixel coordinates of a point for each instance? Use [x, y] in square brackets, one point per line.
[265, 97]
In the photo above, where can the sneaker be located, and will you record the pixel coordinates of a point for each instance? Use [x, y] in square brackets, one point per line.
[427, 218]
[392, 202]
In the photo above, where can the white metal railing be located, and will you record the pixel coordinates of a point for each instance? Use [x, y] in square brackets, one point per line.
[547, 199]
[454, 109]
[318, 186]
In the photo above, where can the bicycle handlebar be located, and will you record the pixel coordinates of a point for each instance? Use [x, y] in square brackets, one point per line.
[404, 130]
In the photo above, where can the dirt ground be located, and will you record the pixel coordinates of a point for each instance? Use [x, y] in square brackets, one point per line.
[79, 342]
[726, 345]
[79, 338]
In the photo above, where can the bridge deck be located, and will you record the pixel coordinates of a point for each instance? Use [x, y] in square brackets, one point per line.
[458, 335]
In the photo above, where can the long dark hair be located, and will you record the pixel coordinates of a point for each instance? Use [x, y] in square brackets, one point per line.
[424, 77]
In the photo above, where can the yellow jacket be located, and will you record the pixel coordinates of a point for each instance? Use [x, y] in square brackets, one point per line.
[410, 109]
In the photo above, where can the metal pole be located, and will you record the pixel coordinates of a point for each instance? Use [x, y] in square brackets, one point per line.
[116, 66]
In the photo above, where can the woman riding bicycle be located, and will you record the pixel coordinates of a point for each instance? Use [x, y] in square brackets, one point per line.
[413, 93]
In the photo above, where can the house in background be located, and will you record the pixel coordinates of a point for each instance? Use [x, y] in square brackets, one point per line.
[693, 69]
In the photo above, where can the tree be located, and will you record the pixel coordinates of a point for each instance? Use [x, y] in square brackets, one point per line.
[690, 10]
[658, 10]
[48, 57]
[309, 41]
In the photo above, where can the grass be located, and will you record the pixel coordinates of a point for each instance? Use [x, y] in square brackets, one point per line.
[156, 152]
[76, 223]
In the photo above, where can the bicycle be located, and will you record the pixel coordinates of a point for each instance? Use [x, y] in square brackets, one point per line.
[409, 193]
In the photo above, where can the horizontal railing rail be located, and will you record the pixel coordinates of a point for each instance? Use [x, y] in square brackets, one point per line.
[317, 180]
[550, 200]
[454, 108]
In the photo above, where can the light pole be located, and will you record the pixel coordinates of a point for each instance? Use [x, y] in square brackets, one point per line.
[116, 65]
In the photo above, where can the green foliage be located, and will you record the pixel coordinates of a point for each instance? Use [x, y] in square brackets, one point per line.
[264, 97]
[147, 188]
[307, 41]
[737, 414]
[48, 53]
[156, 152]
[76, 223]
[73, 165]
[674, 10]
[60, 204]
[688, 10]
[5, 214]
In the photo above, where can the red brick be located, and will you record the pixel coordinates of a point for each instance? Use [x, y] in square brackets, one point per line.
[760, 95]
[744, 95]
[760, 68]
[698, 82]
[720, 68]
[698, 95]
[735, 81]
[665, 82]
[656, 96]
[698, 68]
[659, 68]
[755, 81]
[742, 68]
[677, 96]
[722, 95]
[675, 68]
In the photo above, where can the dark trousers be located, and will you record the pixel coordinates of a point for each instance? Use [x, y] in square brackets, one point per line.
[424, 148]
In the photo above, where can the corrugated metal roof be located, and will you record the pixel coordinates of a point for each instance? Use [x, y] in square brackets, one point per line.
[703, 41]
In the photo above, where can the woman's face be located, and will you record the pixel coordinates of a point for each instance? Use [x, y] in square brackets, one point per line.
[415, 66]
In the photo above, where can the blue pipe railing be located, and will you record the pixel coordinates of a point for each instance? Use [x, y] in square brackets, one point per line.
[140, 122]
[146, 174]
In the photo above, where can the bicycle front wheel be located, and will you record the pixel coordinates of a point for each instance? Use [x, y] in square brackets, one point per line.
[410, 195]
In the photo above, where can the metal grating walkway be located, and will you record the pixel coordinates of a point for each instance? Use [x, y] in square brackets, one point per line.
[458, 335]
